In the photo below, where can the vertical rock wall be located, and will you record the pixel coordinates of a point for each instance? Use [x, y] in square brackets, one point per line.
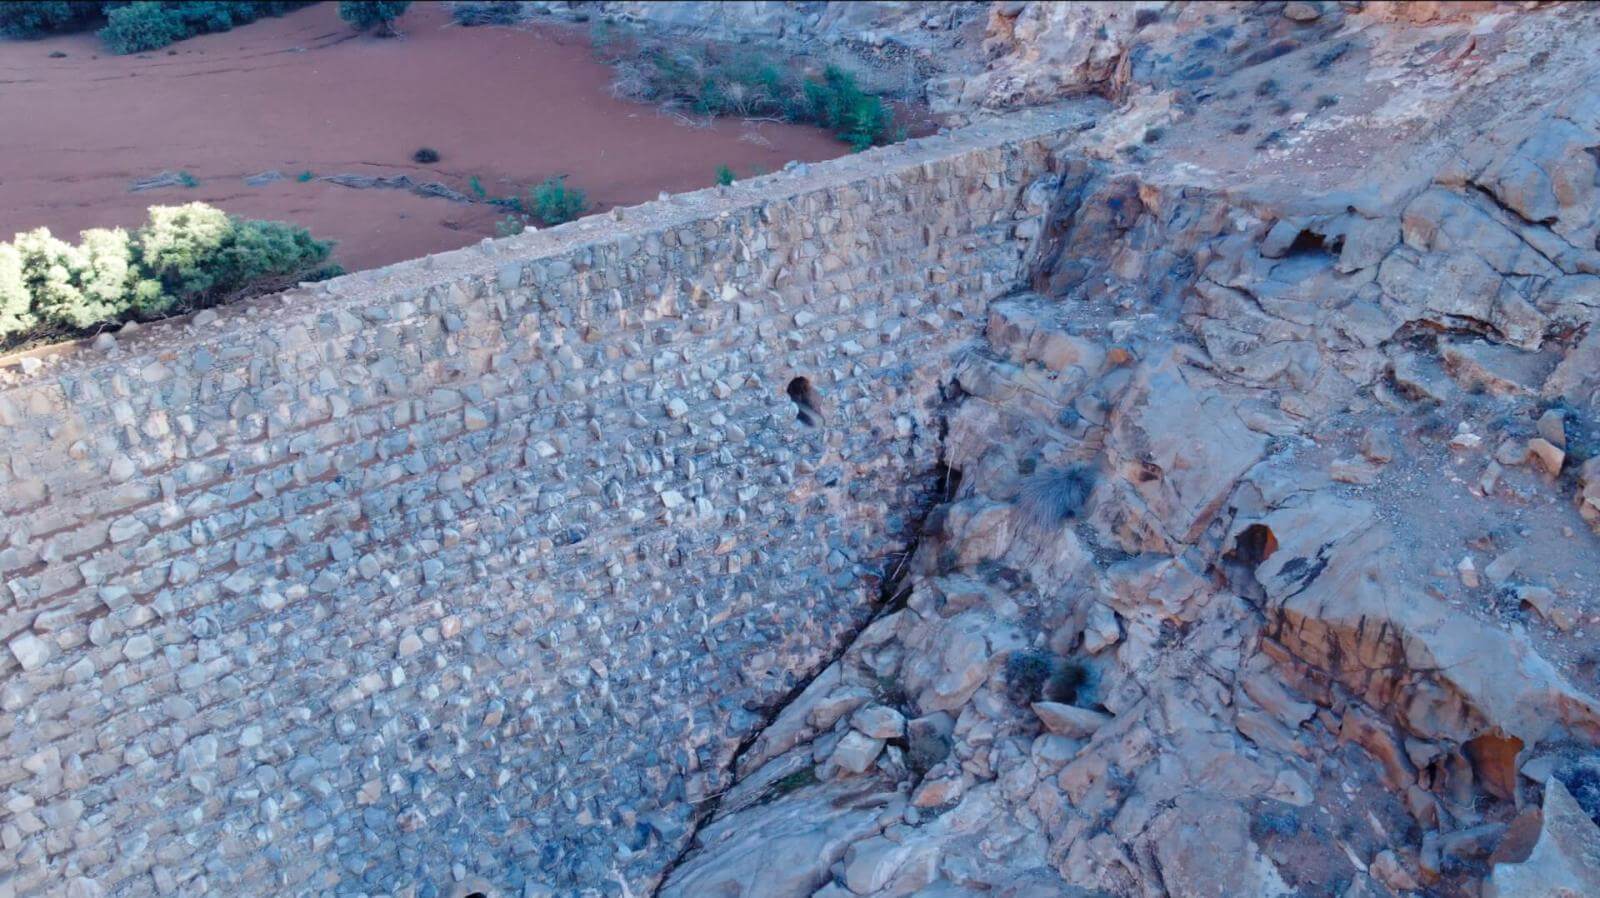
[478, 569]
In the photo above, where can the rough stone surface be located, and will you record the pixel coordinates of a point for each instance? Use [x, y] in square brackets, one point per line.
[432, 569]
[1305, 578]
[1565, 860]
[1210, 413]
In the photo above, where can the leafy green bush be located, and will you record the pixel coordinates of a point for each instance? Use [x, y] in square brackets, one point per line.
[42, 17]
[141, 26]
[714, 81]
[855, 117]
[199, 253]
[486, 12]
[553, 202]
[365, 15]
[145, 25]
[185, 257]
[138, 26]
[75, 286]
[510, 226]
[744, 84]
[16, 301]
[725, 175]
[549, 203]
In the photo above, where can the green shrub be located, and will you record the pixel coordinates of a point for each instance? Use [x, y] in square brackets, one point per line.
[41, 17]
[106, 274]
[16, 301]
[425, 156]
[137, 26]
[141, 26]
[305, 176]
[553, 202]
[177, 248]
[714, 81]
[746, 84]
[185, 257]
[795, 781]
[510, 226]
[549, 203]
[69, 284]
[855, 117]
[200, 254]
[725, 175]
[145, 25]
[365, 15]
[486, 12]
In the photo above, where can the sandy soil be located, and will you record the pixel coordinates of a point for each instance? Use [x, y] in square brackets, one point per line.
[511, 106]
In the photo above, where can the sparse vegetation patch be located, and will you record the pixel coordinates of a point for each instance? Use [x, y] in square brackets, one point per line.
[711, 80]
[486, 12]
[546, 204]
[1026, 673]
[37, 19]
[377, 16]
[1051, 497]
[138, 26]
[184, 258]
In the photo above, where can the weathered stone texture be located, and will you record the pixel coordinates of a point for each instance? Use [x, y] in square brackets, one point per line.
[483, 564]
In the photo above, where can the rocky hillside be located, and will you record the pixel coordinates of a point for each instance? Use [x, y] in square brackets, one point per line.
[1266, 558]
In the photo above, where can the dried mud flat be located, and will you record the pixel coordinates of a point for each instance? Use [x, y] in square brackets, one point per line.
[304, 93]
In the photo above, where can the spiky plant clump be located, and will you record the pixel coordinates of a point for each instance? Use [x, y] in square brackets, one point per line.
[1026, 672]
[1052, 496]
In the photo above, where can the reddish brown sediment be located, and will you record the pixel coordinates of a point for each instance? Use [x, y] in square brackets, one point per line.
[511, 106]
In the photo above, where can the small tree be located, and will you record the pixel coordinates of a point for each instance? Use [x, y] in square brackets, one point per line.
[369, 14]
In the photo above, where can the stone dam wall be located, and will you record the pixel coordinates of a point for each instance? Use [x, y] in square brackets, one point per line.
[473, 573]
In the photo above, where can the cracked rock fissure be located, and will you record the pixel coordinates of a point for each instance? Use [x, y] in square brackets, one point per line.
[939, 489]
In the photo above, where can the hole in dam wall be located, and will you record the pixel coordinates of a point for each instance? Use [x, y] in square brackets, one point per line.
[460, 576]
[807, 400]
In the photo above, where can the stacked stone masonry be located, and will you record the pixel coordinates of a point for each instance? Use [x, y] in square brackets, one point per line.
[479, 568]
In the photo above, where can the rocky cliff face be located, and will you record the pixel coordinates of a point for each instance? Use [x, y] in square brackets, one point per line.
[1265, 564]
[975, 58]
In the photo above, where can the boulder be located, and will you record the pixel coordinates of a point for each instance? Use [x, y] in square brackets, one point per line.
[1565, 862]
[879, 722]
[1337, 602]
[782, 849]
[955, 657]
[1069, 720]
[1180, 447]
[856, 751]
[1204, 850]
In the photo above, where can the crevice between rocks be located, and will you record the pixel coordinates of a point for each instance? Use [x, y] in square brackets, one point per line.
[941, 484]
